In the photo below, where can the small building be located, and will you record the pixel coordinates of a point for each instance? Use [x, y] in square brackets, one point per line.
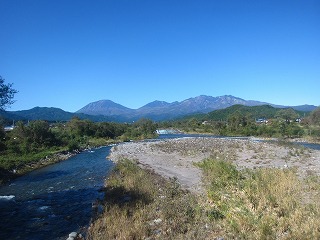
[261, 120]
[8, 128]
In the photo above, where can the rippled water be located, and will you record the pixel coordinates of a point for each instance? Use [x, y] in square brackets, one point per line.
[51, 202]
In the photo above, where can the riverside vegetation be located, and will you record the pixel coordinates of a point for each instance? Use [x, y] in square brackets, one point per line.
[237, 203]
[239, 120]
[38, 143]
[262, 203]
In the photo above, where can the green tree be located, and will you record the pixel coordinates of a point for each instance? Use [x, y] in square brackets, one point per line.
[238, 121]
[145, 127]
[19, 141]
[40, 134]
[287, 114]
[6, 94]
[2, 138]
[81, 128]
[315, 116]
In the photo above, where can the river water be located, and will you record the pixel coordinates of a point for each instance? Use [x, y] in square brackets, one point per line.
[53, 201]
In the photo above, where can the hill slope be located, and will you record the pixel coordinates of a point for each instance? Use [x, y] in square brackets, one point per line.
[49, 114]
[256, 112]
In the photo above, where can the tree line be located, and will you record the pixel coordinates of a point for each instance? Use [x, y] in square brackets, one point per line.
[76, 134]
[284, 123]
[30, 142]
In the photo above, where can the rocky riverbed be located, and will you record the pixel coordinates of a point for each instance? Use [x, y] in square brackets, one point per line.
[175, 158]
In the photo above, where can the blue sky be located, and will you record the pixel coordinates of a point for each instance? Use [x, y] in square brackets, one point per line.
[66, 54]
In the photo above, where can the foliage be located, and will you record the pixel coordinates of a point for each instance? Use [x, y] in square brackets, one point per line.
[287, 114]
[255, 112]
[6, 94]
[315, 116]
[239, 120]
[29, 142]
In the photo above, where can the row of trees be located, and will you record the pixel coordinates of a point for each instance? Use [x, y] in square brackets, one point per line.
[283, 124]
[40, 135]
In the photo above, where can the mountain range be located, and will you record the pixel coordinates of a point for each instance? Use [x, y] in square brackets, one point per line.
[107, 110]
[161, 110]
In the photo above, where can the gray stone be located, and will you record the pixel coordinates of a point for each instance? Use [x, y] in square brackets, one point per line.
[72, 236]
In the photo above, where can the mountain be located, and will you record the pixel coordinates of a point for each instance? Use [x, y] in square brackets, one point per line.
[305, 108]
[44, 113]
[49, 114]
[161, 110]
[156, 104]
[261, 111]
[107, 110]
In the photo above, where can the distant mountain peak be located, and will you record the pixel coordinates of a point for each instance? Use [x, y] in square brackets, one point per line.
[104, 107]
[155, 104]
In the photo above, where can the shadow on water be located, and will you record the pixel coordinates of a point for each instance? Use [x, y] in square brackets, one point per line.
[5, 175]
[49, 175]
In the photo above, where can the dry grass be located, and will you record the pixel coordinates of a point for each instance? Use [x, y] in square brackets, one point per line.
[261, 204]
[142, 205]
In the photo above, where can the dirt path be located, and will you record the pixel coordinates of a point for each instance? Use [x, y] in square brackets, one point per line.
[175, 157]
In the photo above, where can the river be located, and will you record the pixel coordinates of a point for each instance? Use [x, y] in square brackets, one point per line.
[53, 201]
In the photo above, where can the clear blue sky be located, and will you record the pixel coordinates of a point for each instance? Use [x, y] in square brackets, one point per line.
[66, 54]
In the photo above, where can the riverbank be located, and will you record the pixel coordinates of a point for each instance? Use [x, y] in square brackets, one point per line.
[176, 157]
[8, 175]
[209, 188]
[21, 165]
[51, 158]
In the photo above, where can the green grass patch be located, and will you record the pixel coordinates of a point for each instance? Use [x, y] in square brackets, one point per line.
[13, 164]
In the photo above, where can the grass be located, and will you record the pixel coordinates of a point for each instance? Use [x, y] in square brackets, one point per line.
[13, 164]
[266, 203]
[142, 205]
[261, 204]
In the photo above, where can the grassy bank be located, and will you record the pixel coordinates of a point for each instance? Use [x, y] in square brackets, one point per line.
[262, 204]
[142, 205]
[247, 204]
[13, 164]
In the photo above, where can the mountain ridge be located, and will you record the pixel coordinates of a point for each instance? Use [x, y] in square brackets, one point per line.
[107, 110]
[162, 110]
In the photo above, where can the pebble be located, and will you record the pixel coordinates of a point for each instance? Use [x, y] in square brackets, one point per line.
[157, 221]
[72, 236]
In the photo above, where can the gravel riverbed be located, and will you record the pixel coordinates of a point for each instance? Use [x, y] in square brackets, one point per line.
[175, 158]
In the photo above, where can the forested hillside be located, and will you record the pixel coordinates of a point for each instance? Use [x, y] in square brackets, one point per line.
[242, 120]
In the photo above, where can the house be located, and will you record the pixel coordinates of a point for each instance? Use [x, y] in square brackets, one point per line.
[261, 120]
